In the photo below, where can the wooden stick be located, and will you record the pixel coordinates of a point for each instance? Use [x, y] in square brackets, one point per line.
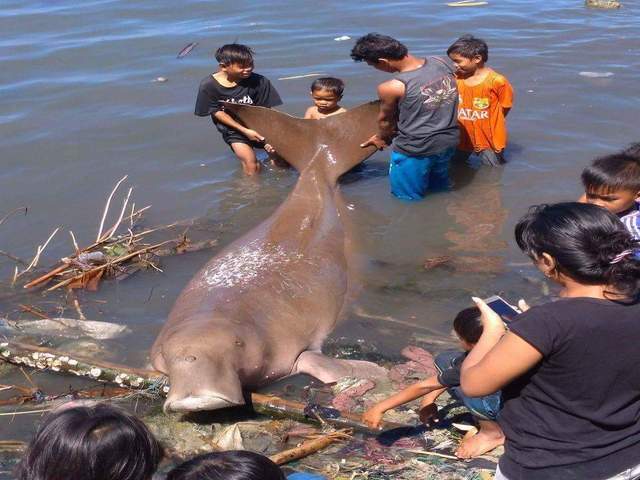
[46, 276]
[32, 310]
[310, 446]
[106, 207]
[2, 220]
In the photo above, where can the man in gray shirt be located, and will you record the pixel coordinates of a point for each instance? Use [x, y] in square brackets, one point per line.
[417, 115]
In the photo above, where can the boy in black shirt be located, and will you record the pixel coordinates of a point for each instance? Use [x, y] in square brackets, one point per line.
[468, 328]
[235, 82]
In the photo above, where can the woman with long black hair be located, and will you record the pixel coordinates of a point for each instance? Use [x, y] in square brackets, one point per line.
[569, 370]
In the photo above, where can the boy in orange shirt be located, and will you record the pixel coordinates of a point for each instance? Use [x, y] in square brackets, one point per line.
[485, 100]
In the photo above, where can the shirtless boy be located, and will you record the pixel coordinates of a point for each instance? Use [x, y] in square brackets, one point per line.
[326, 93]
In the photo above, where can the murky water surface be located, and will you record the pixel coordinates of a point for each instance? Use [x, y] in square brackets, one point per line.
[79, 109]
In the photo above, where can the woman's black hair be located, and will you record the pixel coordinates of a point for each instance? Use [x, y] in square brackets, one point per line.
[374, 46]
[589, 244]
[334, 85]
[468, 325]
[98, 442]
[230, 465]
[468, 46]
[234, 53]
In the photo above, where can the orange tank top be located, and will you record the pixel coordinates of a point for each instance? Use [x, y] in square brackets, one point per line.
[481, 115]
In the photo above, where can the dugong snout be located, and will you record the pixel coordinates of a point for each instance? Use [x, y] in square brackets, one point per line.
[197, 402]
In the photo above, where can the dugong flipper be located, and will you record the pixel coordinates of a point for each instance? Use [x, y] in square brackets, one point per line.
[261, 308]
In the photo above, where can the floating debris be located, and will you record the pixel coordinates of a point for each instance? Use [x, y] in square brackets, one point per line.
[342, 38]
[306, 75]
[187, 49]
[596, 74]
[605, 4]
[160, 80]
[466, 3]
[67, 327]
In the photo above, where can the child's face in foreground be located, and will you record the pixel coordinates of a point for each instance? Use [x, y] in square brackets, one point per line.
[237, 71]
[616, 201]
[466, 66]
[325, 100]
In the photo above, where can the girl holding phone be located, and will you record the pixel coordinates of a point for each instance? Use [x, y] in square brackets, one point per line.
[568, 369]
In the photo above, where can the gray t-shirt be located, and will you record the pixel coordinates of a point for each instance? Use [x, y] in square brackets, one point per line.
[427, 122]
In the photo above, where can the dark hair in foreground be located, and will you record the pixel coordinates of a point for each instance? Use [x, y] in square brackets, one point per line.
[374, 46]
[619, 171]
[230, 465]
[468, 325]
[589, 244]
[98, 442]
[334, 85]
[468, 46]
[234, 53]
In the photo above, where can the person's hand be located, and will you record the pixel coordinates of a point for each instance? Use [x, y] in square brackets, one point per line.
[490, 319]
[253, 135]
[372, 417]
[269, 148]
[428, 414]
[376, 141]
[523, 305]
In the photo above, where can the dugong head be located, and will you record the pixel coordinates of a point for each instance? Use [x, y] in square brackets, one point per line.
[203, 369]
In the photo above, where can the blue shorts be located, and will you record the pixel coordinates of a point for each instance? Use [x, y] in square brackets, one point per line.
[411, 177]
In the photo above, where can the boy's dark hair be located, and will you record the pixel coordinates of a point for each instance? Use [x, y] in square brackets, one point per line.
[589, 244]
[98, 442]
[468, 46]
[334, 85]
[234, 53]
[468, 325]
[374, 46]
[619, 171]
[230, 465]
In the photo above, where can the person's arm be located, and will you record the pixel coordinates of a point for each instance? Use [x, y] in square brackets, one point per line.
[226, 119]
[390, 94]
[373, 416]
[497, 358]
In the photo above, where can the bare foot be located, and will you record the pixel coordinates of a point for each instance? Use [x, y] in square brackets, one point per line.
[489, 437]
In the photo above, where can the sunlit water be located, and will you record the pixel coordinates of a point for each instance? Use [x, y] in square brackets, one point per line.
[79, 109]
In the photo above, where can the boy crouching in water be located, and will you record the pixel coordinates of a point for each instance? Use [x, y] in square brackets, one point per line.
[613, 182]
[236, 82]
[326, 92]
[468, 327]
[486, 97]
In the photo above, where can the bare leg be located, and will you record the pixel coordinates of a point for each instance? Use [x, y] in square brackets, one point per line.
[247, 157]
[489, 436]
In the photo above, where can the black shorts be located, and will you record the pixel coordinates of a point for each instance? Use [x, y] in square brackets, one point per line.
[233, 136]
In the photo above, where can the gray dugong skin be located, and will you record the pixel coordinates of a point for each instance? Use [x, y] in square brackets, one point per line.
[259, 309]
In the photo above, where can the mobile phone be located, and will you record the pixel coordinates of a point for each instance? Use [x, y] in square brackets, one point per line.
[502, 308]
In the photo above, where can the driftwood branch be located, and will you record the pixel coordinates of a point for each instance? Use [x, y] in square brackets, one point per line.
[310, 446]
[46, 359]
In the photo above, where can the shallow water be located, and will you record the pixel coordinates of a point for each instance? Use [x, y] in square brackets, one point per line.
[79, 109]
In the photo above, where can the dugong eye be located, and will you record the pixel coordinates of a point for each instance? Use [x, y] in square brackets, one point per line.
[239, 343]
[190, 359]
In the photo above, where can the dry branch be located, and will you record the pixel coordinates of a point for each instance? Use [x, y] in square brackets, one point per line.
[310, 446]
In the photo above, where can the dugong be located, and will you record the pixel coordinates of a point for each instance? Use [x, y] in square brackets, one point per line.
[260, 309]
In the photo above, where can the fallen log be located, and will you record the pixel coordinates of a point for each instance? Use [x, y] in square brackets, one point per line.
[155, 382]
[310, 447]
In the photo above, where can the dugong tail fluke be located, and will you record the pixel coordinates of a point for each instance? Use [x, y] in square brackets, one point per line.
[262, 307]
[297, 140]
